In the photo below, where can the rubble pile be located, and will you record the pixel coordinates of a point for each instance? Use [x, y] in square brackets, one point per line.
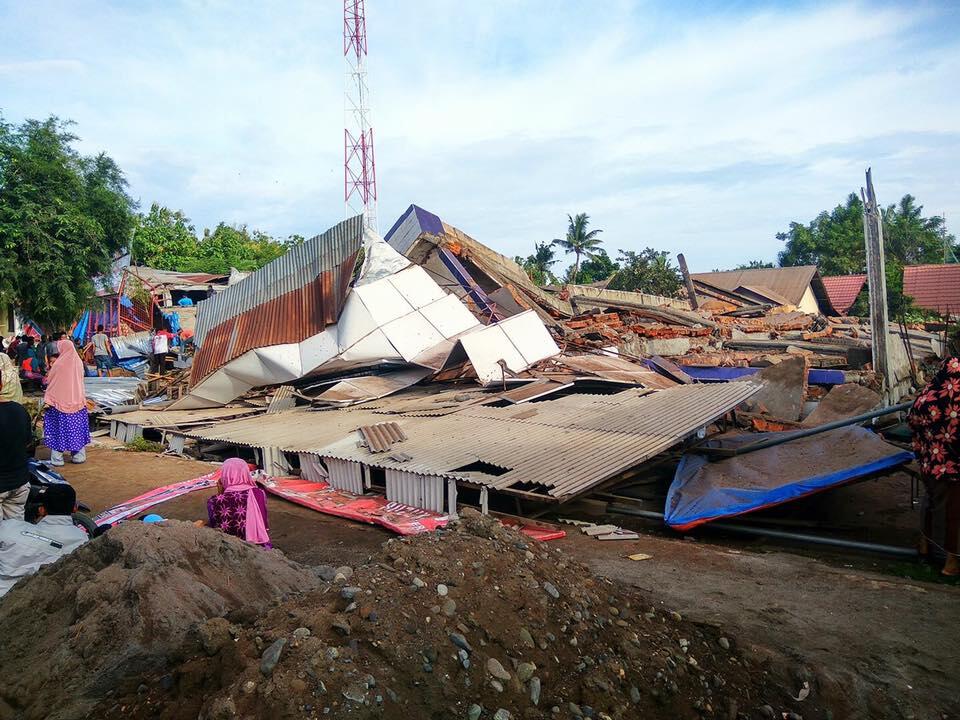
[474, 622]
[121, 607]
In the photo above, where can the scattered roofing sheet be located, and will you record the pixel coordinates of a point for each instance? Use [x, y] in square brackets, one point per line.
[110, 391]
[843, 290]
[370, 387]
[934, 287]
[616, 368]
[174, 280]
[380, 437]
[789, 282]
[517, 342]
[181, 418]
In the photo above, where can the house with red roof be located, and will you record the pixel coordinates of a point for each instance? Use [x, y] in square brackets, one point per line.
[843, 290]
[934, 287]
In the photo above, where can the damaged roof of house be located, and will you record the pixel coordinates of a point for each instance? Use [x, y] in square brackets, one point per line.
[554, 448]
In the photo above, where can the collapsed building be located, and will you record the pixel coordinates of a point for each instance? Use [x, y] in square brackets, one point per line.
[428, 368]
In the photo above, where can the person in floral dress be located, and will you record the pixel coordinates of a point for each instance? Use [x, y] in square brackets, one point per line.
[935, 421]
[240, 508]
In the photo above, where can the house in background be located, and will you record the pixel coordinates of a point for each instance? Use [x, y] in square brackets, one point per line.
[799, 286]
[934, 287]
[843, 290]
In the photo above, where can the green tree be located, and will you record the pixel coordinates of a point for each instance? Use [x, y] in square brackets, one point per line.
[912, 239]
[164, 239]
[63, 219]
[834, 241]
[537, 266]
[579, 241]
[649, 271]
[599, 267]
[754, 265]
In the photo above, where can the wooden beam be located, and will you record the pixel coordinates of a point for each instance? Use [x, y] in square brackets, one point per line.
[877, 286]
[688, 281]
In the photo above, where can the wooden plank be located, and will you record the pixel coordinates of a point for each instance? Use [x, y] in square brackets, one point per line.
[688, 281]
[877, 286]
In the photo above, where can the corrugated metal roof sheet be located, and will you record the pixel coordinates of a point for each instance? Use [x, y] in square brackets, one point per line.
[843, 290]
[933, 287]
[616, 368]
[790, 282]
[557, 447]
[288, 300]
[381, 436]
[175, 418]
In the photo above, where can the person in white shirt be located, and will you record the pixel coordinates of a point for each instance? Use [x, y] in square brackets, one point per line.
[26, 547]
[101, 351]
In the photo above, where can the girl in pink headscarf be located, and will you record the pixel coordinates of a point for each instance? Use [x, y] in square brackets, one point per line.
[240, 509]
[66, 427]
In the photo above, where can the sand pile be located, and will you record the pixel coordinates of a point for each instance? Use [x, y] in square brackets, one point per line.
[122, 607]
[473, 622]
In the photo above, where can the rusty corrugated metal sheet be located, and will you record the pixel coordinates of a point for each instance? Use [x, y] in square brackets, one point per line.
[382, 436]
[301, 265]
[286, 301]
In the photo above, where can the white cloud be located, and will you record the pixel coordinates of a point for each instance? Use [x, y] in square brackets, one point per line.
[699, 132]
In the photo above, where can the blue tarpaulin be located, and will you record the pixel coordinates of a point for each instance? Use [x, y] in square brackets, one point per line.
[703, 490]
[815, 376]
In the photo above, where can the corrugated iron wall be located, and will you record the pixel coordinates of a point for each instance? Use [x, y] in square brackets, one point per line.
[345, 475]
[421, 491]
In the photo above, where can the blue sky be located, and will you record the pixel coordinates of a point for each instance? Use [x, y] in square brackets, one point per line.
[701, 128]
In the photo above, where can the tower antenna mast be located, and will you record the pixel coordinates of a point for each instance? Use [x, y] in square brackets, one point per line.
[359, 166]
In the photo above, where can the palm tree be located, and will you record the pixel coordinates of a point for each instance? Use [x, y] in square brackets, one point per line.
[579, 241]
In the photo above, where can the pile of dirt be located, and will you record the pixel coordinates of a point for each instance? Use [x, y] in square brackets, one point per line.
[478, 621]
[123, 606]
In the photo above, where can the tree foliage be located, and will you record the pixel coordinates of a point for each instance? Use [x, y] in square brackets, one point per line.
[537, 266]
[63, 218]
[579, 241]
[649, 271]
[165, 239]
[754, 265]
[834, 242]
[599, 267]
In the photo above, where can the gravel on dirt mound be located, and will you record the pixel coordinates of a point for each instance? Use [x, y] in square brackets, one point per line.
[473, 622]
[121, 607]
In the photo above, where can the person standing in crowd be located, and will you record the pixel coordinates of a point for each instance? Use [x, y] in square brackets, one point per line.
[101, 351]
[24, 348]
[15, 437]
[160, 344]
[42, 352]
[935, 421]
[240, 508]
[30, 365]
[26, 547]
[66, 426]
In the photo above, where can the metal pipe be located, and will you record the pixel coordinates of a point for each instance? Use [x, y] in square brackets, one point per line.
[771, 442]
[618, 509]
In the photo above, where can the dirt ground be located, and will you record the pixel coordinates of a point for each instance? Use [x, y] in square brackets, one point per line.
[878, 645]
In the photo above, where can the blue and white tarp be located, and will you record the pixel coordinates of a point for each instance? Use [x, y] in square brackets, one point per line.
[703, 490]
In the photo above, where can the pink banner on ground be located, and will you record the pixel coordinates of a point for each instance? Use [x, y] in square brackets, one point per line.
[371, 509]
[149, 499]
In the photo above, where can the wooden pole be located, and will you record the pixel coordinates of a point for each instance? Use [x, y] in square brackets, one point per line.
[877, 285]
[691, 292]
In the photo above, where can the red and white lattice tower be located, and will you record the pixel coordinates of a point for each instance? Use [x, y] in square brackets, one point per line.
[359, 167]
